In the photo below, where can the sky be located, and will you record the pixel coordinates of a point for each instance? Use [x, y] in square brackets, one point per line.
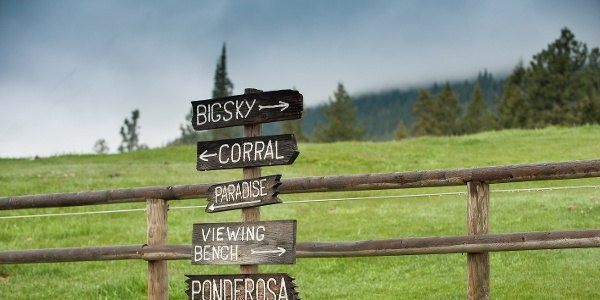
[71, 71]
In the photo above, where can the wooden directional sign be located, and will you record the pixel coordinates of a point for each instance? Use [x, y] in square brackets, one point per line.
[242, 287]
[243, 193]
[247, 152]
[247, 243]
[247, 109]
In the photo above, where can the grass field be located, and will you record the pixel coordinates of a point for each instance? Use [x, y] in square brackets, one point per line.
[546, 274]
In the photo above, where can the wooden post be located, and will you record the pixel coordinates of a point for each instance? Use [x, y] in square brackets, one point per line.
[478, 264]
[251, 214]
[158, 278]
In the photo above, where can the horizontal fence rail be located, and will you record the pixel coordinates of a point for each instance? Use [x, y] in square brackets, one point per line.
[388, 247]
[477, 244]
[360, 182]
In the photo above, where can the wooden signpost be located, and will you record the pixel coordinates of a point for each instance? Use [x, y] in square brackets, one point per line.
[256, 108]
[244, 193]
[251, 242]
[247, 243]
[242, 287]
[247, 152]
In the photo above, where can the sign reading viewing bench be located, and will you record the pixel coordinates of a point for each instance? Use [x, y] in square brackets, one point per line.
[246, 243]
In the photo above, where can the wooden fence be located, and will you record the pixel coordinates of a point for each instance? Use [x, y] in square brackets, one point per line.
[477, 243]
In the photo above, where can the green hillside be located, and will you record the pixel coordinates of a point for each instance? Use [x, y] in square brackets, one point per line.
[551, 274]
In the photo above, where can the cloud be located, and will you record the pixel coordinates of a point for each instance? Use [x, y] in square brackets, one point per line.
[71, 71]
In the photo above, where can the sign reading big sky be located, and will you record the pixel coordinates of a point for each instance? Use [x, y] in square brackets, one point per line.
[247, 109]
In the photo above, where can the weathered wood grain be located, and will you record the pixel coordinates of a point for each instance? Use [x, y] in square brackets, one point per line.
[242, 287]
[157, 234]
[251, 214]
[247, 152]
[243, 194]
[478, 264]
[389, 247]
[359, 182]
[244, 243]
[246, 109]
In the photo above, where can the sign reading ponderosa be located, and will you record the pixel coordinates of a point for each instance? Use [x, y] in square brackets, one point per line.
[242, 287]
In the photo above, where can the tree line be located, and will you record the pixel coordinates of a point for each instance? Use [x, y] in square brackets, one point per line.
[560, 86]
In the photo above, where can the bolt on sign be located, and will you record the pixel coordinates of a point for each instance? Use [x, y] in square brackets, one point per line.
[244, 243]
[247, 109]
[242, 287]
[247, 152]
[244, 193]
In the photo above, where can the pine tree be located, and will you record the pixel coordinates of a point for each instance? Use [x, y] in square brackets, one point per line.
[101, 146]
[591, 102]
[223, 88]
[478, 117]
[449, 112]
[341, 115]
[189, 135]
[400, 133]
[555, 82]
[294, 127]
[426, 111]
[513, 110]
[130, 134]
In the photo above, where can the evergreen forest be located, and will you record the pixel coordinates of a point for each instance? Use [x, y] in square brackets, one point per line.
[559, 86]
[380, 112]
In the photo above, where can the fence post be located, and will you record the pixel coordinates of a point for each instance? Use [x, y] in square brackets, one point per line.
[251, 214]
[158, 278]
[478, 264]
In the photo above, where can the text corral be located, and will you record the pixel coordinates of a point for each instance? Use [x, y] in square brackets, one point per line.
[247, 152]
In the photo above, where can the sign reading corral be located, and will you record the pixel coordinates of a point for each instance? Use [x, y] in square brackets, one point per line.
[247, 152]
[247, 109]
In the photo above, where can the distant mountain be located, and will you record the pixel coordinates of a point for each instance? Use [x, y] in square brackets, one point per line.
[380, 111]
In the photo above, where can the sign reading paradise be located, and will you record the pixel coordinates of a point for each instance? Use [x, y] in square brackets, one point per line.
[242, 287]
[247, 152]
[247, 109]
[244, 193]
[244, 243]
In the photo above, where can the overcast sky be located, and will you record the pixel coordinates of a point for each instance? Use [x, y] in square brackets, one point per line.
[72, 71]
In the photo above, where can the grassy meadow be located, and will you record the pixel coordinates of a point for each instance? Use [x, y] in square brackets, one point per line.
[545, 274]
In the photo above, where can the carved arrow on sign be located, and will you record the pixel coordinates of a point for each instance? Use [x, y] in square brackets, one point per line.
[283, 105]
[205, 155]
[279, 250]
[212, 207]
